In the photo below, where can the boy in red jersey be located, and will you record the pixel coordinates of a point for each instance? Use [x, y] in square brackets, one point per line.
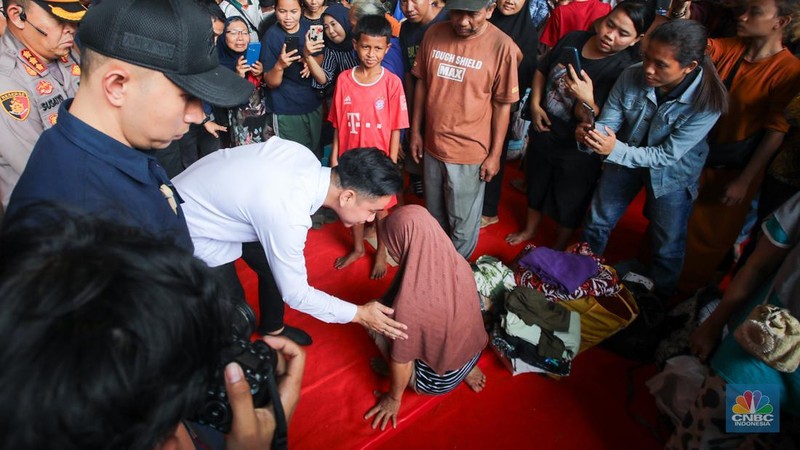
[369, 110]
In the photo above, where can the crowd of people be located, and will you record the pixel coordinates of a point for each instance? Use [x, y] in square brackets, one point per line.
[226, 129]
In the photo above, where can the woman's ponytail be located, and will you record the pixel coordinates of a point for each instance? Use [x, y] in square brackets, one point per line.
[689, 40]
[712, 92]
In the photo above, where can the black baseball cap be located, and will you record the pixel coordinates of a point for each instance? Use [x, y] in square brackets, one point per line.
[171, 36]
[466, 5]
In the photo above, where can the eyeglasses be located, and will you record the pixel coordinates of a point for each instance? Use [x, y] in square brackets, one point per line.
[237, 33]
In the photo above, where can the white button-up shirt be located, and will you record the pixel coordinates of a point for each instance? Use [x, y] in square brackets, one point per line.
[261, 192]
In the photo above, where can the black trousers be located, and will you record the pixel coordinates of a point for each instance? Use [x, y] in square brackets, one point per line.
[270, 301]
[170, 159]
[491, 194]
[196, 143]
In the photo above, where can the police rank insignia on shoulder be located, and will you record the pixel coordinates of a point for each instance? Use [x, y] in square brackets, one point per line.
[30, 71]
[32, 61]
[16, 104]
[44, 87]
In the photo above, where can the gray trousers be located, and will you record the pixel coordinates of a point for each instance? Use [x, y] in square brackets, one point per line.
[454, 197]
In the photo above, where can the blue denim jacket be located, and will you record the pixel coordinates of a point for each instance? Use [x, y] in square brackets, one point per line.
[669, 140]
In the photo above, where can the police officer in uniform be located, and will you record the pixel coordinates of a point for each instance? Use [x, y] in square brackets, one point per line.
[39, 69]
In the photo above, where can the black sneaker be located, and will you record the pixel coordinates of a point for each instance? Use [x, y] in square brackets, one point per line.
[296, 334]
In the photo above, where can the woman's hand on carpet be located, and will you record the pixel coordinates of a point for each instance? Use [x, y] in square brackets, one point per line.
[386, 409]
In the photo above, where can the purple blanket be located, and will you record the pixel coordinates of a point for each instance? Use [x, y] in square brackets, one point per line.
[566, 270]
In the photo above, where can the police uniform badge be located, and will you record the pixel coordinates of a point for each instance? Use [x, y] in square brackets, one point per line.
[32, 61]
[44, 87]
[76, 70]
[53, 118]
[16, 104]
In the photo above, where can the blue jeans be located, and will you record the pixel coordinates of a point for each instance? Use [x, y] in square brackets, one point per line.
[668, 216]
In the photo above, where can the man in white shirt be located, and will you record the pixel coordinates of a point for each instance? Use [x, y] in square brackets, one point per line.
[267, 193]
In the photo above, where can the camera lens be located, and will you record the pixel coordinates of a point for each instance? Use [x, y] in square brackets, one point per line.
[215, 412]
[243, 320]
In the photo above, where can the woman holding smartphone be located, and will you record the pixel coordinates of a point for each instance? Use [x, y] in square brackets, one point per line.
[337, 48]
[296, 107]
[561, 178]
[662, 109]
[246, 122]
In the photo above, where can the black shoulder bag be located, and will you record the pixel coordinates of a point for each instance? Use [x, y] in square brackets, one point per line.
[733, 155]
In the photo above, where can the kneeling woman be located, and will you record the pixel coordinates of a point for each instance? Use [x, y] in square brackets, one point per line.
[434, 293]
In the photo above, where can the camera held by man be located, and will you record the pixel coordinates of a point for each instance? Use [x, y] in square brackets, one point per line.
[113, 339]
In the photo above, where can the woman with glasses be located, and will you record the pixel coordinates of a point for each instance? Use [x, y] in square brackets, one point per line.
[246, 121]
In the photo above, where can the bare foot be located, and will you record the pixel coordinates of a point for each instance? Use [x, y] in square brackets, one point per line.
[348, 259]
[379, 268]
[476, 380]
[519, 237]
[379, 366]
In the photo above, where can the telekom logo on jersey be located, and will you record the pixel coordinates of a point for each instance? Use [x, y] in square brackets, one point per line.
[354, 123]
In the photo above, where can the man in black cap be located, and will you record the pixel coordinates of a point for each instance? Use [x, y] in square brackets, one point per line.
[147, 64]
[38, 70]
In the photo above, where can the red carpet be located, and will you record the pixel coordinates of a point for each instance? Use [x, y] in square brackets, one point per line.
[583, 411]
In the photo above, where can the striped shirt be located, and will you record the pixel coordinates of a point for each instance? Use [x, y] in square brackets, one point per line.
[335, 62]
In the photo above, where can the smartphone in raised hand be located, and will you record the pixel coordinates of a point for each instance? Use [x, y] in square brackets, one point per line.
[575, 60]
[315, 33]
[253, 52]
[292, 43]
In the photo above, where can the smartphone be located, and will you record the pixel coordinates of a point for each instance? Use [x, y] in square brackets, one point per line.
[253, 52]
[576, 60]
[315, 33]
[590, 111]
[292, 43]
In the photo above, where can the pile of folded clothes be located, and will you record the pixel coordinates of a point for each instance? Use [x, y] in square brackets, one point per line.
[563, 276]
[537, 335]
[559, 295]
